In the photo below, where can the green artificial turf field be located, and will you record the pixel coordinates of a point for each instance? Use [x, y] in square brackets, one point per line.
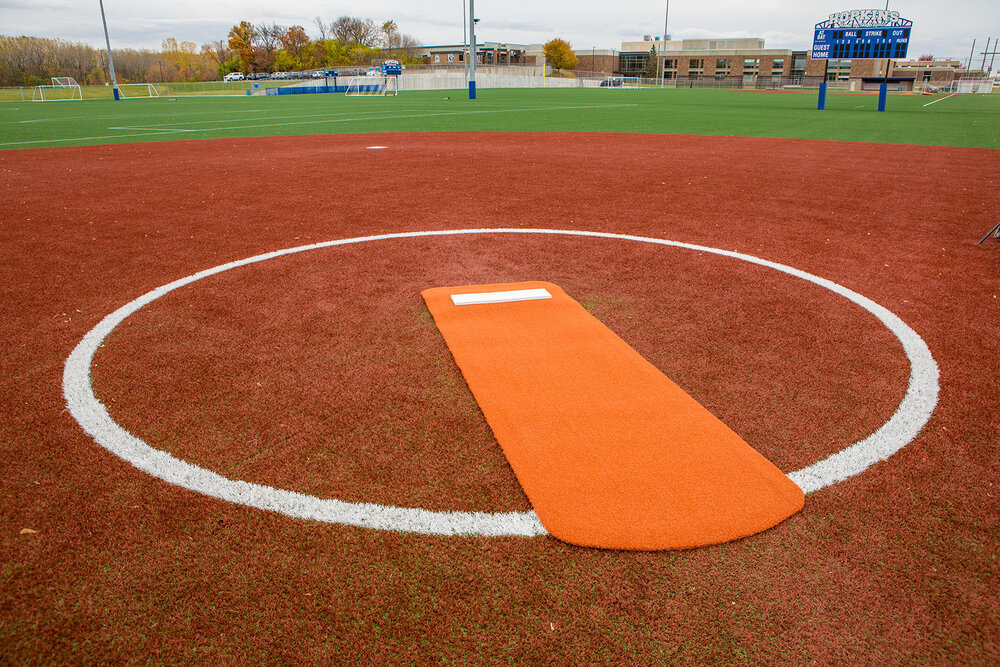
[965, 120]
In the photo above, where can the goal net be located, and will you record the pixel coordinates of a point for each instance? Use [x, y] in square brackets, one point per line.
[61, 88]
[131, 91]
[372, 85]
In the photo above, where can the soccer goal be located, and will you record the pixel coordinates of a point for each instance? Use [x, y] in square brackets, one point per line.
[62, 88]
[621, 82]
[130, 91]
[372, 85]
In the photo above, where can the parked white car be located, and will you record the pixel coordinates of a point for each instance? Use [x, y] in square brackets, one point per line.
[234, 76]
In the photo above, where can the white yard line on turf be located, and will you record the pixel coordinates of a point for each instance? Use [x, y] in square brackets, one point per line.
[121, 117]
[940, 99]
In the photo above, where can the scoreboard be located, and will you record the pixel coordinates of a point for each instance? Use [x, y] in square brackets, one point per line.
[861, 34]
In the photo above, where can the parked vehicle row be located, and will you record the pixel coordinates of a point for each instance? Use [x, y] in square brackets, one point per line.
[389, 67]
[263, 76]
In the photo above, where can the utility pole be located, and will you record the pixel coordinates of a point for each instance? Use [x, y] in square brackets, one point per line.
[472, 50]
[992, 54]
[111, 63]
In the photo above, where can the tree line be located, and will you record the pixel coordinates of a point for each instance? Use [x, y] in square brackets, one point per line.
[346, 41]
[31, 61]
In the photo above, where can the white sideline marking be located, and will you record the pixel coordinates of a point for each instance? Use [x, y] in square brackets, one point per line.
[62, 119]
[940, 99]
[375, 148]
[905, 424]
[152, 130]
[500, 297]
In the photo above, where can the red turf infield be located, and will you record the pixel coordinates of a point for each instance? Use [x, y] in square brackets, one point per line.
[238, 374]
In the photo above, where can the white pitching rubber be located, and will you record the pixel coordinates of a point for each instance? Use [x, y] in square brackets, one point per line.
[500, 297]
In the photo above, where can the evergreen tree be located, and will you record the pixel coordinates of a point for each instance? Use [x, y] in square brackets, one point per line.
[652, 64]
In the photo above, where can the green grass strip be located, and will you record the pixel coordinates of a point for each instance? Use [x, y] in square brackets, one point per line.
[963, 120]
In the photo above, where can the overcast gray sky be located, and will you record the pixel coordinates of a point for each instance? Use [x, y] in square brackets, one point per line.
[941, 27]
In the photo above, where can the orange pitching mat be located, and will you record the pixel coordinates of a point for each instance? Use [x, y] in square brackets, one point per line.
[610, 452]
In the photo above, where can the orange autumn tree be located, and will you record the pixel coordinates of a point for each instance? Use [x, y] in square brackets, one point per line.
[241, 40]
[296, 42]
[560, 54]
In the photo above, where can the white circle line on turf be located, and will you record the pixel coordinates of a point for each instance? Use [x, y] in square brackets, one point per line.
[910, 417]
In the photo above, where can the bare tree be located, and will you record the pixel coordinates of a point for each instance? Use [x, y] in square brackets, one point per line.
[73, 59]
[218, 51]
[132, 66]
[390, 34]
[23, 61]
[268, 39]
[323, 28]
[350, 30]
[401, 46]
[409, 45]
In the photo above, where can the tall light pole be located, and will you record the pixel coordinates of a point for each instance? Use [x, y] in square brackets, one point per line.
[465, 41]
[472, 49]
[111, 63]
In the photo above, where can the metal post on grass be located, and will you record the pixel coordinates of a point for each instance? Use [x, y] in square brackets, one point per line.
[472, 50]
[663, 62]
[111, 63]
[465, 41]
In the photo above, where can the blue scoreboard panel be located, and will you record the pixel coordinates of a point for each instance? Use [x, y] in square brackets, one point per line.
[862, 34]
[860, 43]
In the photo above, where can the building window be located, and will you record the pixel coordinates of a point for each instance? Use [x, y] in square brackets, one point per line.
[721, 63]
[670, 63]
[798, 65]
[777, 66]
[632, 64]
[696, 63]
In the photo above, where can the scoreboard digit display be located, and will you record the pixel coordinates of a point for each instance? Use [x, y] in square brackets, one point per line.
[861, 34]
